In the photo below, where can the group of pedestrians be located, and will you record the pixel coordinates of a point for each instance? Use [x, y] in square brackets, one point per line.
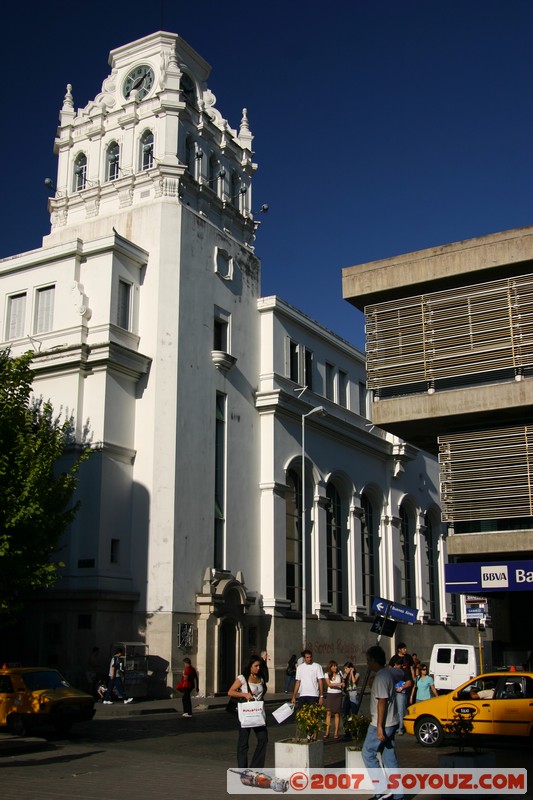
[395, 684]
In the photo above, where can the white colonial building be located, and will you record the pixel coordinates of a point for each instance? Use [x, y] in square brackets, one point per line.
[144, 311]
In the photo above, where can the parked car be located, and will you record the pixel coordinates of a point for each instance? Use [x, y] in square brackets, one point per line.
[500, 703]
[32, 697]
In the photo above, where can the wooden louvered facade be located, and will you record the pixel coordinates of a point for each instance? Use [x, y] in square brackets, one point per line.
[451, 336]
[487, 475]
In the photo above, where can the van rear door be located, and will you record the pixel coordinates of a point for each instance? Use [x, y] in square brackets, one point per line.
[452, 665]
[441, 667]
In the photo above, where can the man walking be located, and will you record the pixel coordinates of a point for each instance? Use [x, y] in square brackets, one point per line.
[309, 682]
[115, 680]
[384, 718]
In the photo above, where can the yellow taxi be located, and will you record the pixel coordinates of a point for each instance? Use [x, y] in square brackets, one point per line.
[32, 697]
[499, 703]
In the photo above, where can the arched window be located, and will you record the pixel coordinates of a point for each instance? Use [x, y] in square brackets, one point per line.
[189, 155]
[293, 539]
[147, 150]
[235, 190]
[432, 582]
[112, 161]
[188, 89]
[369, 553]
[407, 576]
[335, 552]
[213, 173]
[80, 172]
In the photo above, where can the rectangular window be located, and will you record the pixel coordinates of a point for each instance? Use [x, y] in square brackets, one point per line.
[460, 656]
[362, 399]
[124, 305]
[300, 365]
[330, 381]
[220, 481]
[308, 369]
[343, 388]
[220, 335]
[44, 309]
[16, 315]
[114, 555]
[293, 362]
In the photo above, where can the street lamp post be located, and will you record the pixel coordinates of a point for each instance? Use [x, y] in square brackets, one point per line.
[322, 412]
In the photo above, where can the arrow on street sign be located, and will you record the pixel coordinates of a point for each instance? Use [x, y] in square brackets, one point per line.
[395, 610]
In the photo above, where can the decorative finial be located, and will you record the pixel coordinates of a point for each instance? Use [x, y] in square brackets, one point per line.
[244, 122]
[245, 135]
[68, 102]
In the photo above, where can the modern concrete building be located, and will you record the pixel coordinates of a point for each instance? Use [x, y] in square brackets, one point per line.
[143, 308]
[450, 367]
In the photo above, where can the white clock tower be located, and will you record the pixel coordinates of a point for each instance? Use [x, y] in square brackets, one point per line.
[152, 231]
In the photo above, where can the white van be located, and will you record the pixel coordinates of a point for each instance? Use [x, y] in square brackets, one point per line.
[452, 664]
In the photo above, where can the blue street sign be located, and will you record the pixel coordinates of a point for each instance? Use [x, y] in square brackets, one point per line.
[396, 611]
[489, 576]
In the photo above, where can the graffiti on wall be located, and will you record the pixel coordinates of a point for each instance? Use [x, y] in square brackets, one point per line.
[340, 650]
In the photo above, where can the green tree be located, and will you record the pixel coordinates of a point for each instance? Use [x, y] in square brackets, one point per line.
[36, 497]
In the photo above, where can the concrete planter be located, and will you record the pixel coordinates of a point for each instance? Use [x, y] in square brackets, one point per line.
[470, 760]
[291, 753]
[354, 758]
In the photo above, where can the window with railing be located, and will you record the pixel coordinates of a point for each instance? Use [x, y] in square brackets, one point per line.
[369, 550]
[335, 551]
[80, 172]
[407, 583]
[293, 539]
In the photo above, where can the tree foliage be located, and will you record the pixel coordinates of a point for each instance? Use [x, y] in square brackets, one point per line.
[36, 498]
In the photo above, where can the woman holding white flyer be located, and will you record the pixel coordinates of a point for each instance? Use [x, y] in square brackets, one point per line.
[250, 686]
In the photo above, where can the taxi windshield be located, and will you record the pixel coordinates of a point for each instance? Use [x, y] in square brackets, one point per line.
[44, 679]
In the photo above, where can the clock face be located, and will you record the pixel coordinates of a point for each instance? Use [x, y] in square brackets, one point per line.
[140, 78]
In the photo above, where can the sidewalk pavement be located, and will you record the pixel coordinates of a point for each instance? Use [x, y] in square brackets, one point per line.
[147, 749]
[174, 704]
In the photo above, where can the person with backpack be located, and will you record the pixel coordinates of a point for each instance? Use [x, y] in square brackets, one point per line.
[188, 682]
[116, 671]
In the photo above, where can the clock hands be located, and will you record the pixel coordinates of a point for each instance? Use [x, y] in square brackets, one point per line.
[139, 82]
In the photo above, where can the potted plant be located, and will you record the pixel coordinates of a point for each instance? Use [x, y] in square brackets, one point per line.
[461, 727]
[355, 726]
[310, 721]
[305, 749]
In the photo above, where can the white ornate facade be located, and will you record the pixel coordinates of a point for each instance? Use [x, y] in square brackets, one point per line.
[143, 307]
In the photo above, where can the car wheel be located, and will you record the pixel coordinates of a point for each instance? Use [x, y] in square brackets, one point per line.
[428, 732]
[18, 725]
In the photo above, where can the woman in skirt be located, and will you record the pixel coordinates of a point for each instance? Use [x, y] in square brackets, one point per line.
[335, 685]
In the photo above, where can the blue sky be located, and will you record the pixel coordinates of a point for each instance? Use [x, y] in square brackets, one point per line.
[381, 126]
